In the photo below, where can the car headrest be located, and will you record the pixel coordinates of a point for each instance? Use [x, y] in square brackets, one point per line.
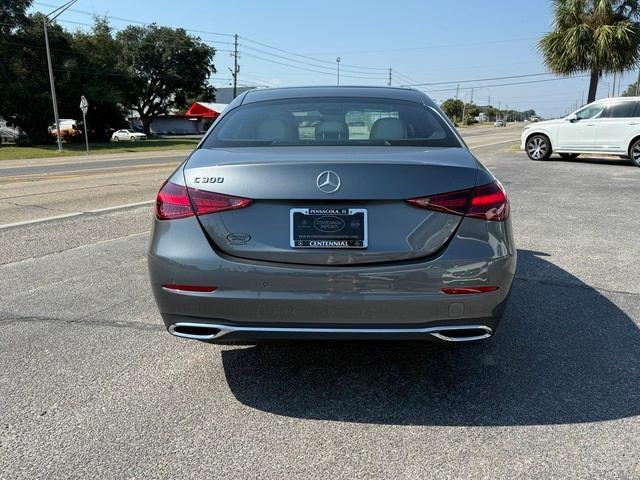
[276, 129]
[332, 130]
[388, 129]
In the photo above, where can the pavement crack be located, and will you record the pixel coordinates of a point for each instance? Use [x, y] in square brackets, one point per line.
[46, 209]
[8, 318]
[64, 250]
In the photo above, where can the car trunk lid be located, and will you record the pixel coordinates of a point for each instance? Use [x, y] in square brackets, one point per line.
[372, 182]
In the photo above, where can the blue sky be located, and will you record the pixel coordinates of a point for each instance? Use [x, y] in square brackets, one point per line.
[422, 41]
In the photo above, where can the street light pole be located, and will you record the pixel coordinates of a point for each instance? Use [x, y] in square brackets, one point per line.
[47, 20]
[338, 63]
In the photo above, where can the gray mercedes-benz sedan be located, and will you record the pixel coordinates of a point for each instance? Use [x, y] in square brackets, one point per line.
[331, 213]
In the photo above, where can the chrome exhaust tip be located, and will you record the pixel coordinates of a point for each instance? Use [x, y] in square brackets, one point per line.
[463, 333]
[194, 331]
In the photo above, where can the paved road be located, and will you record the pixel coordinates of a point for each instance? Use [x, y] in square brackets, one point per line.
[34, 189]
[91, 385]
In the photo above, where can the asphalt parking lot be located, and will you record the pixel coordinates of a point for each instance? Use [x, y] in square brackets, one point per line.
[92, 386]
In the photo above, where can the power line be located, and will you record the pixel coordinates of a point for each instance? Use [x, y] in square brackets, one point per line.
[264, 52]
[402, 49]
[303, 68]
[318, 60]
[477, 87]
[120, 19]
[478, 80]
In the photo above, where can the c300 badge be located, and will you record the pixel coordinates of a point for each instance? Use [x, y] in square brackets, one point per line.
[208, 180]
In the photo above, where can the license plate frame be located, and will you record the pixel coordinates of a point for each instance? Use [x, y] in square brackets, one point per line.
[311, 237]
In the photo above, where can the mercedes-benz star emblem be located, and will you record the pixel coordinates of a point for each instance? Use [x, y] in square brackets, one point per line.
[328, 181]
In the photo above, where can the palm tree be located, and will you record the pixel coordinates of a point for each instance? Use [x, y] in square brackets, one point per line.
[596, 36]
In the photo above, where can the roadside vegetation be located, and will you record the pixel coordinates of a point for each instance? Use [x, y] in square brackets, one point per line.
[12, 152]
[151, 70]
[467, 114]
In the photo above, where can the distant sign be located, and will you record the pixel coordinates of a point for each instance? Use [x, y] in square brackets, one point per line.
[84, 105]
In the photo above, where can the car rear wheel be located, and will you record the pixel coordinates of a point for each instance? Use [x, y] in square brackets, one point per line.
[133, 139]
[538, 147]
[634, 153]
[116, 139]
[569, 156]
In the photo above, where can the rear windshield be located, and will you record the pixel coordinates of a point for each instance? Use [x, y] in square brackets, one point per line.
[331, 121]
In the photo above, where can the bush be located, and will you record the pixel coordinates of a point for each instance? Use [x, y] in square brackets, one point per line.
[23, 140]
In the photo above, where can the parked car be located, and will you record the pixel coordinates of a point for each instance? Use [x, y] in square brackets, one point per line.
[127, 134]
[267, 233]
[607, 126]
[500, 123]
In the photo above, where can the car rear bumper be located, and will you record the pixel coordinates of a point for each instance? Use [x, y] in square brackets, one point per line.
[256, 301]
[208, 330]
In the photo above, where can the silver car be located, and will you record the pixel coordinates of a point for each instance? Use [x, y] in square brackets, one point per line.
[332, 213]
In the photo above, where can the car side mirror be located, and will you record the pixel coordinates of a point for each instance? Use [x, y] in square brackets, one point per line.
[572, 118]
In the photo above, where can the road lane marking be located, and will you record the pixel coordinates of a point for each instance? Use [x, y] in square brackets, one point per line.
[494, 143]
[76, 214]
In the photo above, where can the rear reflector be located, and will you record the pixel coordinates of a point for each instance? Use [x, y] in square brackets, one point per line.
[488, 202]
[468, 290]
[189, 288]
[176, 201]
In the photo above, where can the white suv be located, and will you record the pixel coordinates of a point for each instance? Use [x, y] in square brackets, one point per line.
[610, 126]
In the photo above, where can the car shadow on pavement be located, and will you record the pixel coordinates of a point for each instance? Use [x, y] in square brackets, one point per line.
[563, 354]
[611, 160]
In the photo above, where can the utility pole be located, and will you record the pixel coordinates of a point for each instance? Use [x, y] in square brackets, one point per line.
[236, 69]
[457, 90]
[47, 20]
[338, 63]
[619, 83]
[84, 106]
[613, 90]
[464, 108]
[471, 100]
[638, 84]
[389, 77]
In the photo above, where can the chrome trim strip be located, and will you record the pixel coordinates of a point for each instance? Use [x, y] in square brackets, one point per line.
[437, 332]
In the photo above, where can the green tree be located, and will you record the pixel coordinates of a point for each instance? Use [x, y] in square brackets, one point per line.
[12, 18]
[99, 77]
[13, 13]
[631, 90]
[595, 36]
[453, 108]
[165, 67]
[25, 97]
[471, 111]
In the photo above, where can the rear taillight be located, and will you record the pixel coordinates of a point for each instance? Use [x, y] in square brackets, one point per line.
[173, 202]
[209, 202]
[488, 202]
[176, 201]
